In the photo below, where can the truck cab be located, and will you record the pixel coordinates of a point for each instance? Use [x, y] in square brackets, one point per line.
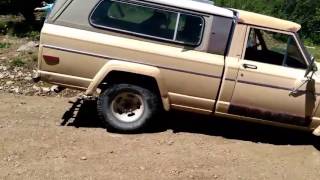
[273, 80]
[142, 56]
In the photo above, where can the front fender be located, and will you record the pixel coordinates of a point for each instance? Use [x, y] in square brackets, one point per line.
[146, 70]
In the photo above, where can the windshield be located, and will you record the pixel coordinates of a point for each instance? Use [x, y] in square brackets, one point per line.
[304, 49]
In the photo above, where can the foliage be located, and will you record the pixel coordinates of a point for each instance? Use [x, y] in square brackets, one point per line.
[15, 26]
[304, 12]
[26, 60]
[4, 45]
[25, 7]
[33, 35]
[17, 62]
[315, 51]
[3, 27]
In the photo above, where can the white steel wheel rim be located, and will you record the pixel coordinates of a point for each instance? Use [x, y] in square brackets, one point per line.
[127, 107]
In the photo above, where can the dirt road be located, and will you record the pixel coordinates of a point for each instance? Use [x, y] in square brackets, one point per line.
[39, 139]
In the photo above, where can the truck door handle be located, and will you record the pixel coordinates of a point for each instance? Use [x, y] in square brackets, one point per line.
[249, 66]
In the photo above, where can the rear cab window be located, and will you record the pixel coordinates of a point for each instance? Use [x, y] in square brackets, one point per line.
[147, 21]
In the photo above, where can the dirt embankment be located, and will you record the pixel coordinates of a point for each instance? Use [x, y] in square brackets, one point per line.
[19, 55]
[18, 60]
[48, 138]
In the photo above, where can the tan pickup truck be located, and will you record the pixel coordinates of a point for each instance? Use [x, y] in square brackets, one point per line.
[143, 56]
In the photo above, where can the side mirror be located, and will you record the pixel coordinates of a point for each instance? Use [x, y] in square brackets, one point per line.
[312, 67]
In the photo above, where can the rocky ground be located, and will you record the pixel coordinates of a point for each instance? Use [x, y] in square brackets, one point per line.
[18, 60]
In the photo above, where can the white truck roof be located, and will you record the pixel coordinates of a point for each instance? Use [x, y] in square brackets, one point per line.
[197, 5]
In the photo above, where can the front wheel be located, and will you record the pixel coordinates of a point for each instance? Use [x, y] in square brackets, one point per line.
[126, 107]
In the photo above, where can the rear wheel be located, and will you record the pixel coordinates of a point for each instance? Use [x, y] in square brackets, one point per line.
[126, 107]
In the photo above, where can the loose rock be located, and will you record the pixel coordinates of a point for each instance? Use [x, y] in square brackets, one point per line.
[29, 47]
[45, 90]
[14, 90]
[3, 68]
[9, 83]
[19, 74]
[36, 88]
[28, 78]
[3, 58]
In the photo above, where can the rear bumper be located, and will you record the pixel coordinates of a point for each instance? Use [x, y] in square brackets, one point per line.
[62, 80]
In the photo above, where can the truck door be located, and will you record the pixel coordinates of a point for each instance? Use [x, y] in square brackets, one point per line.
[273, 65]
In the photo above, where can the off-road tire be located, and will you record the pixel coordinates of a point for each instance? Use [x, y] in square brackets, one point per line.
[105, 112]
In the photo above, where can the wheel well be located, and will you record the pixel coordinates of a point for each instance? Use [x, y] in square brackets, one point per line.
[117, 77]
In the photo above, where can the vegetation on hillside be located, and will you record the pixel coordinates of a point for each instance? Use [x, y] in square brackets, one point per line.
[304, 12]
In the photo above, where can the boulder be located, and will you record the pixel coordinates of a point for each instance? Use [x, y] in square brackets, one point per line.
[29, 47]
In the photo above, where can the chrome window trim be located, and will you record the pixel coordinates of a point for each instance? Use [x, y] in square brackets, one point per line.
[303, 47]
[176, 27]
[276, 31]
[153, 6]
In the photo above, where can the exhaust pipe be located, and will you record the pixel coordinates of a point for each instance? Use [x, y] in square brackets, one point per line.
[57, 89]
[316, 132]
[36, 76]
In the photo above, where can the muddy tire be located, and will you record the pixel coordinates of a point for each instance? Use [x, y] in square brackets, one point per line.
[127, 108]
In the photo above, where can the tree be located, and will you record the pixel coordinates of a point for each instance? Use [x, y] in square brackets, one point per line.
[25, 7]
[304, 12]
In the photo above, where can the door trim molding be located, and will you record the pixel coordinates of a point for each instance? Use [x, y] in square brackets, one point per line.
[270, 86]
[264, 85]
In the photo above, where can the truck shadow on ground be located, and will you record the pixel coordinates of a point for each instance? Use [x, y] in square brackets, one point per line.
[83, 114]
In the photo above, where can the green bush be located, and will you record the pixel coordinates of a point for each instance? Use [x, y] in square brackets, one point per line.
[34, 35]
[4, 45]
[3, 27]
[17, 62]
[304, 12]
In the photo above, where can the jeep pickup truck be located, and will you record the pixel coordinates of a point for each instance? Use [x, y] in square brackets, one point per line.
[144, 56]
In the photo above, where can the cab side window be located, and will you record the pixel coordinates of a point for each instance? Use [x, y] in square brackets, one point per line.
[148, 21]
[274, 48]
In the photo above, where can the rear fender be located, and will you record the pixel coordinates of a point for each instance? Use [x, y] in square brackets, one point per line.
[146, 70]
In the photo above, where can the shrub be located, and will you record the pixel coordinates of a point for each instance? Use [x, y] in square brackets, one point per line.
[17, 62]
[4, 45]
[25, 7]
